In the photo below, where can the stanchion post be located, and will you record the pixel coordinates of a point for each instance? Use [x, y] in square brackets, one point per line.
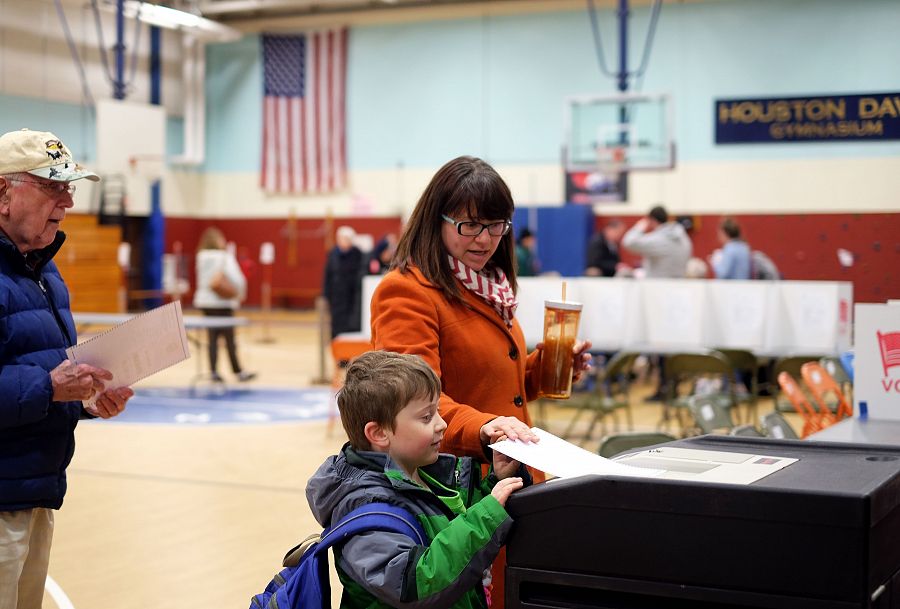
[266, 259]
[324, 339]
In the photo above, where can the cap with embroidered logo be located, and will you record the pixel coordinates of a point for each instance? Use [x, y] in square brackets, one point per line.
[42, 154]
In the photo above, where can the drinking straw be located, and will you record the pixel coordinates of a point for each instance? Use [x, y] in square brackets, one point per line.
[560, 317]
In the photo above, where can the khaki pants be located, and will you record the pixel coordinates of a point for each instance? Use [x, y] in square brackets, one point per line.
[25, 538]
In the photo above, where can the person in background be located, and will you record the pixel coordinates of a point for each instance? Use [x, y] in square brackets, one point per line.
[342, 285]
[603, 258]
[666, 250]
[41, 391]
[215, 266]
[663, 243]
[528, 265]
[733, 261]
[382, 254]
[389, 409]
[450, 297]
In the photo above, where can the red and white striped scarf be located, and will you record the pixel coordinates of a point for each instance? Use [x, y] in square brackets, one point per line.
[495, 290]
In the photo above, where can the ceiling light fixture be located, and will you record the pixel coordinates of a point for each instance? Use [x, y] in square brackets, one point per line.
[174, 19]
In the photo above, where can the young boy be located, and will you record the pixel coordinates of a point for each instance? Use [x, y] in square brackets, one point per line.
[389, 409]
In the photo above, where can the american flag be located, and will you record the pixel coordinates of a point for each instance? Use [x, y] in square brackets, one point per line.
[889, 344]
[304, 146]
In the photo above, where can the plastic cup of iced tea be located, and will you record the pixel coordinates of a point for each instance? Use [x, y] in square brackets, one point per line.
[560, 333]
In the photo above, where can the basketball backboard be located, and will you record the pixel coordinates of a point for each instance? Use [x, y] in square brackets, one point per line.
[131, 144]
[617, 133]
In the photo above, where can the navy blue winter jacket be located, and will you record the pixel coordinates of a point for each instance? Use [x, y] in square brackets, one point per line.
[37, 436]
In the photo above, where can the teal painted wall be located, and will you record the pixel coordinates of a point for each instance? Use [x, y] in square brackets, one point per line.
[234, 106]
[421, 93]
[74, 125]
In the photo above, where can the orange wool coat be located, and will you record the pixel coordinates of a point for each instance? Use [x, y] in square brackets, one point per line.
[483, 366]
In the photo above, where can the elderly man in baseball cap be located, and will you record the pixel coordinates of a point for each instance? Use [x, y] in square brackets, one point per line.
[40, 390]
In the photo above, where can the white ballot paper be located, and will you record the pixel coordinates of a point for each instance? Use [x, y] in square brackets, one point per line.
[135, 349]
[553, 455]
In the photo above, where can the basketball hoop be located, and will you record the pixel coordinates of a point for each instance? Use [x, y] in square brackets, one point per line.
[612, 160]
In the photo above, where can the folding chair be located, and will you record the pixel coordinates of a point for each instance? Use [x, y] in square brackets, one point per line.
[611, 393]
[835, 367]
[614, 444]
[813, 419]
[749, 431]
[710, 414]
[791, 365]
[689, 367]
[344, 347]
[823, 386]
[745, 361]
[776, 426]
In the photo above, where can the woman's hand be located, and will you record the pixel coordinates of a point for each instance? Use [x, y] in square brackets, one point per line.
[504, 466]
[511, 427]
[582, 361]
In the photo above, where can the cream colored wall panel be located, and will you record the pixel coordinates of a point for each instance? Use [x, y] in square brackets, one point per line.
[534, 184]
[785, 186]
[778, 186]
[394, 192]
[182, 194]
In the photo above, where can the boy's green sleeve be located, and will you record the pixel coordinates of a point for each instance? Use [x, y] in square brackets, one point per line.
[455, 561]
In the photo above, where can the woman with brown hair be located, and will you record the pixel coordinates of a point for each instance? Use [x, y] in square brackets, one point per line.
[451, 298]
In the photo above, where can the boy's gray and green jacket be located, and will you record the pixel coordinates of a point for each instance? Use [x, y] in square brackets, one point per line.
[465, 524]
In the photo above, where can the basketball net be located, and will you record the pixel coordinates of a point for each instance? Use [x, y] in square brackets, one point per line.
[147, 167]
[612, 160]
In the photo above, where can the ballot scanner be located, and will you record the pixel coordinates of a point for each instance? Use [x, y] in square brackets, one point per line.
[822, 532]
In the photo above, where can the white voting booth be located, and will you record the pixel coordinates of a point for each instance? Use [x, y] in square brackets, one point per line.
[771, 318]
[876, 365]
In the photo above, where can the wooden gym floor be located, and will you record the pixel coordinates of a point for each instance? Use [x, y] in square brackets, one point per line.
[167, 516]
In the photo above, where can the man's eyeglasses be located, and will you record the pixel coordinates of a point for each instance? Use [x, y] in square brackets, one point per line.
[473, 229]
[54, 189]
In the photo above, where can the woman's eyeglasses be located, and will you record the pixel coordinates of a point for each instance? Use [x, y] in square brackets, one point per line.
[54, 189]
[473, 229]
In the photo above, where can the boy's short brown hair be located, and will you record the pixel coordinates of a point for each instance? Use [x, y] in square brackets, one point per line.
[380, 384]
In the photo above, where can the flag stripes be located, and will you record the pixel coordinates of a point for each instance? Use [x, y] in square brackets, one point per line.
[304, 126]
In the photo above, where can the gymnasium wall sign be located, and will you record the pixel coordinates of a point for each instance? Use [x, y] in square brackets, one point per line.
[824, 118]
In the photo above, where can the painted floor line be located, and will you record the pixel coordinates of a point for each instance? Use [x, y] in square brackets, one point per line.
[56, 593]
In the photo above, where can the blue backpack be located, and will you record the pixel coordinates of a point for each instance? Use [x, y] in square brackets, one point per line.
[304, 584]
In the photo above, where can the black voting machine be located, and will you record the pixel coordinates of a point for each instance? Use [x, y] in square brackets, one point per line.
[823, 533]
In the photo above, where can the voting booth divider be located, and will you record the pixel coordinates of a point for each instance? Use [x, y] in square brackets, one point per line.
[769, 318]
[876, 386]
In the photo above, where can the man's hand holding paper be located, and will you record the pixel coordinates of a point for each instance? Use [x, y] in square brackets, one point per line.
[85, 382]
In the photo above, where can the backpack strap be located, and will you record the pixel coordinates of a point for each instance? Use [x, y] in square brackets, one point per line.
[369, 517]
[374, 517]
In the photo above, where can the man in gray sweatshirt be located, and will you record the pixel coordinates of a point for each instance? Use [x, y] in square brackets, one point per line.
[666, 249]
[664, 244]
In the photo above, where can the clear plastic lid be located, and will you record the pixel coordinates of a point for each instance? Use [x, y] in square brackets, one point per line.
[564, 306]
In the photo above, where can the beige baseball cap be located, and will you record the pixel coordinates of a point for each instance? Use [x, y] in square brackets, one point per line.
[42, 154]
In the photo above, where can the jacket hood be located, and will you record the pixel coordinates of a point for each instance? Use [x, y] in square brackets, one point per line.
[350, 476]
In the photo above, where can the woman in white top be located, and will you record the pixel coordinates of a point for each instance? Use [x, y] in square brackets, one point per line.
[218, 266]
